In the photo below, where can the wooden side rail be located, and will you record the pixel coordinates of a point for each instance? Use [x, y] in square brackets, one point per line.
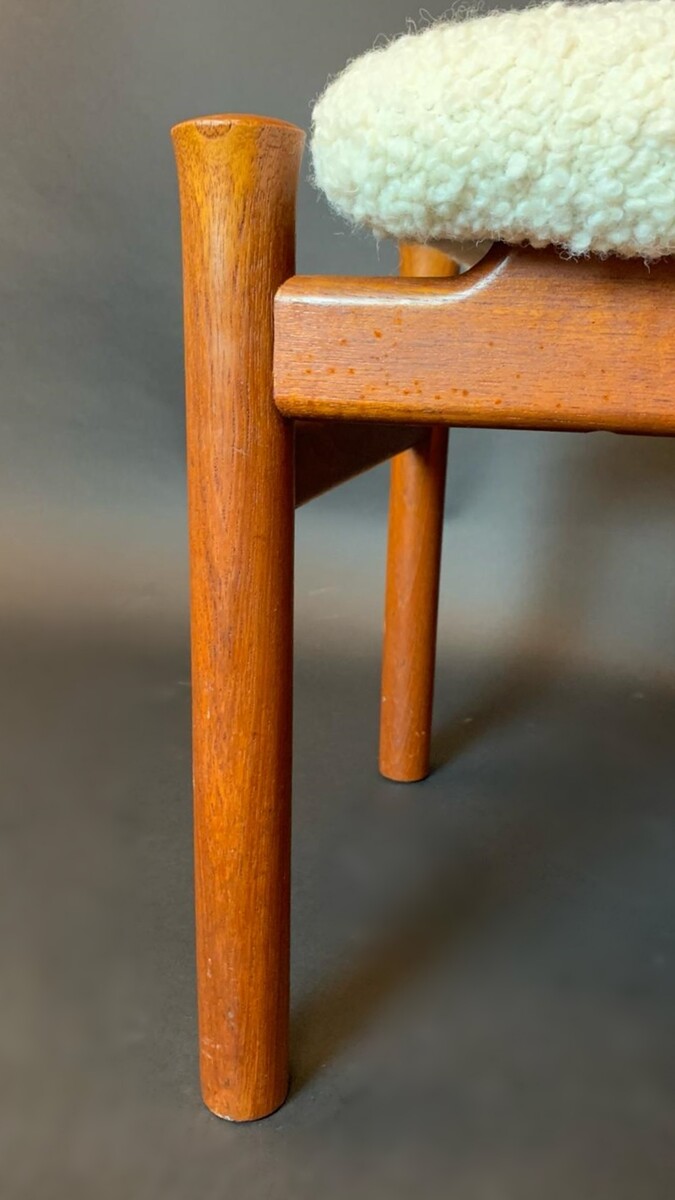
[526, 339]
[329, 453]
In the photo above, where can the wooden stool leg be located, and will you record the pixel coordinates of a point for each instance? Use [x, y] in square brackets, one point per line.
[416, 497]
[237, 178]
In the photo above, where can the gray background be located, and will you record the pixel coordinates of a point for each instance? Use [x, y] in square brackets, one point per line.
[529, 1072]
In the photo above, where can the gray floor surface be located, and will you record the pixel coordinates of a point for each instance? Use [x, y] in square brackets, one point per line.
[483, 964]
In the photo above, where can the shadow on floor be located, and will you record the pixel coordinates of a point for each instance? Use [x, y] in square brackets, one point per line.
[483, 965]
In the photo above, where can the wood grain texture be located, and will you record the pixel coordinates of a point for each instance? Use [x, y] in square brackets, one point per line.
[415, 261]
[526, 339]
[237, 179]
[416, 496]
[330, 453]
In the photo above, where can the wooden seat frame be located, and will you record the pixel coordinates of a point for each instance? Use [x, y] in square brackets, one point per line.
[293, 386]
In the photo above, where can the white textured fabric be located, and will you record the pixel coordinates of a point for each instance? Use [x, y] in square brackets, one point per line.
[551, 125]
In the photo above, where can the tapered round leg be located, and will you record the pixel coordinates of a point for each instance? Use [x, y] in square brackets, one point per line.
[237, 178]
[416, 498]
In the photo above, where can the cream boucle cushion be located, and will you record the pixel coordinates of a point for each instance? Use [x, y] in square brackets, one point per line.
[551, 125]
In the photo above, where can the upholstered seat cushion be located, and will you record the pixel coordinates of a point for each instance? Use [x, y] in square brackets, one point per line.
[551, 125]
